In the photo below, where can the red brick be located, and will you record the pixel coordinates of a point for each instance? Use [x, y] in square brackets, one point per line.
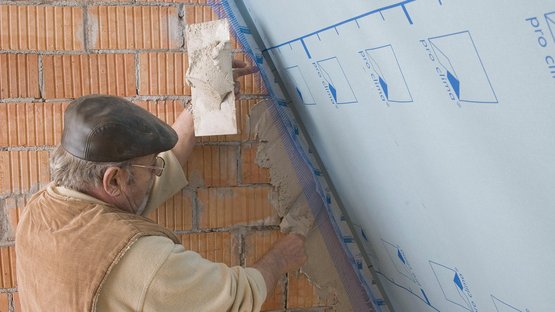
[23, 171]
[204, 13]
[16, 302]
[301, 293]
[176, 213]
[213, 165]
[165, 110]
[31, 124]
[222, 247]
[251, 172]
[223, 207]
[163, 74]
[41, 27]
[7, 266]
[19, 76]
[199, 14]
[182, 1]
[13, 207]
[4, 302]
[71, 76]
[256, 245]
[134, 27]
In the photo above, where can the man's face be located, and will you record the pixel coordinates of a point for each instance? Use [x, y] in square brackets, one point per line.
[137, 190]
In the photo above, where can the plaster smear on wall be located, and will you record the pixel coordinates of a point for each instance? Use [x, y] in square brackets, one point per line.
[210, 76]
[292, 207]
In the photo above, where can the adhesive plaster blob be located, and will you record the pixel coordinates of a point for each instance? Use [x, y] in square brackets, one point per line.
[292, 206]
[210, 76]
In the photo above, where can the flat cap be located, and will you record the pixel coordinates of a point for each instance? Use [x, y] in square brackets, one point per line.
[104, 128]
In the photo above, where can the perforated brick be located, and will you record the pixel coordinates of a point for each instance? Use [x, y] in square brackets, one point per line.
[251, 172]
[4, 302]
[182, 1]
[31, 124]
[16, 302]
[213, 165]
[176, 213]
[134, 27]
[13, 207]
[215, 246]
[32, 27]
[224, 207]
[23, 171]
[303, 294]
[166, 110]
[19, 76]
[163, 74]
[7, 266]
[71, 76]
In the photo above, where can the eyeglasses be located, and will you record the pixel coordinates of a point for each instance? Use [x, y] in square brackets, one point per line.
[157, 169]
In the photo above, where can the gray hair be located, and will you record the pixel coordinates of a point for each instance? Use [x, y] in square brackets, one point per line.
[78, 174]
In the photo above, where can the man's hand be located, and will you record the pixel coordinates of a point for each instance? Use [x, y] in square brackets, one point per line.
[240, 69]
[183, 125]
[286, 255]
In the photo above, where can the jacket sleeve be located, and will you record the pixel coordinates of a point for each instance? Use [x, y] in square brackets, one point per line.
[172, 181]
[187, 282]
[157, 275]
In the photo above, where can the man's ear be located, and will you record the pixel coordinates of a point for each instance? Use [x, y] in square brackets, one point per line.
[112, 181]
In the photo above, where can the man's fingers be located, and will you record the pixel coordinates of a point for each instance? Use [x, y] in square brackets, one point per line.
[238, 72]
[240, 68]
[238, 64]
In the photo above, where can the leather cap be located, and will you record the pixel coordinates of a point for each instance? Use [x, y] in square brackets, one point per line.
[104, 128]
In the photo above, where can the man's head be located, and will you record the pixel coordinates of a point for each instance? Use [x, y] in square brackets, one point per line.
[109, 150]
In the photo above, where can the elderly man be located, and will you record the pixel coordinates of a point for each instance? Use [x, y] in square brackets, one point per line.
[83, 244]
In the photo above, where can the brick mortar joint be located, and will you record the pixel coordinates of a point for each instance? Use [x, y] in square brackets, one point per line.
[8, 244]
[30, 192]
[41, 3]
[20, 100]
[137, 72]
[182, 23]
[129, 3]
[41, 76]
[195, 210]
[131, 98]
[242, 250]
[86, 24]
[241, 229]
[91, 51]
[249, 185]
[4, 223]
[37, 148]
[11, 303]
[285, 290]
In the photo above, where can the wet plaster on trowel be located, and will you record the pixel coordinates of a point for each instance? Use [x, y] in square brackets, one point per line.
[210, 76]
[292, 207]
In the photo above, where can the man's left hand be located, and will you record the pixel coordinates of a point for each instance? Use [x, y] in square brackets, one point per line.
[240, 68]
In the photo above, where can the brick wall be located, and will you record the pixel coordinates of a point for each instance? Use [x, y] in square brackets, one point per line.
[52, 52]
